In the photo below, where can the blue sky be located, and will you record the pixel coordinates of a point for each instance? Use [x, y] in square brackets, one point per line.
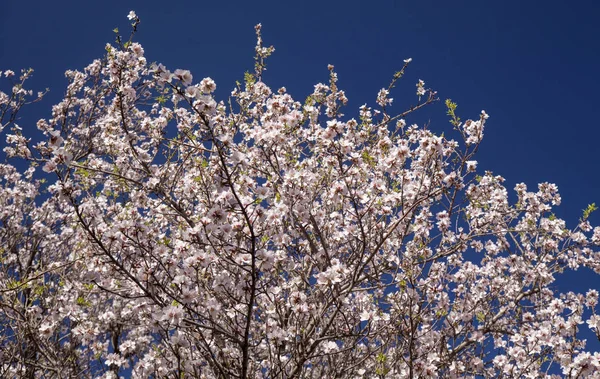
[531, 65]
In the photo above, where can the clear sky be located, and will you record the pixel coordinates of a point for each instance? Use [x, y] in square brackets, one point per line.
[532, 65]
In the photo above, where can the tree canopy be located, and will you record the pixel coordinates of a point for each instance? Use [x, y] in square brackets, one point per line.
[158, 232]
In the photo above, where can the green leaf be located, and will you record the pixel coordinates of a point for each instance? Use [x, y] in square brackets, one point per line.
[39, 290]
[249, 79]
[82, 302]
[368, 158]
[82, 172]
[13, 284]
[451, 111]
[588, 211]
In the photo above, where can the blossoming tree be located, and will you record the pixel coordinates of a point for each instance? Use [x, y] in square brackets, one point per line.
[159, 233]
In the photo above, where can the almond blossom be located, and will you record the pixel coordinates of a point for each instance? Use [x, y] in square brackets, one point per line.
[158, 231]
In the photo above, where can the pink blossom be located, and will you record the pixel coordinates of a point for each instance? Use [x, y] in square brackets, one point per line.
[184, 75]
[173, 314]
[207, 85]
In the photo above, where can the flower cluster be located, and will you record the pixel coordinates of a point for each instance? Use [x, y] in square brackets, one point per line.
[173, 235]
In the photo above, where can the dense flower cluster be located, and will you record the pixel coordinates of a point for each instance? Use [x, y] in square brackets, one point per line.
[177, 236]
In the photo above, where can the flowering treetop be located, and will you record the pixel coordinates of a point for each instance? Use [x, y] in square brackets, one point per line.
[173, 235]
